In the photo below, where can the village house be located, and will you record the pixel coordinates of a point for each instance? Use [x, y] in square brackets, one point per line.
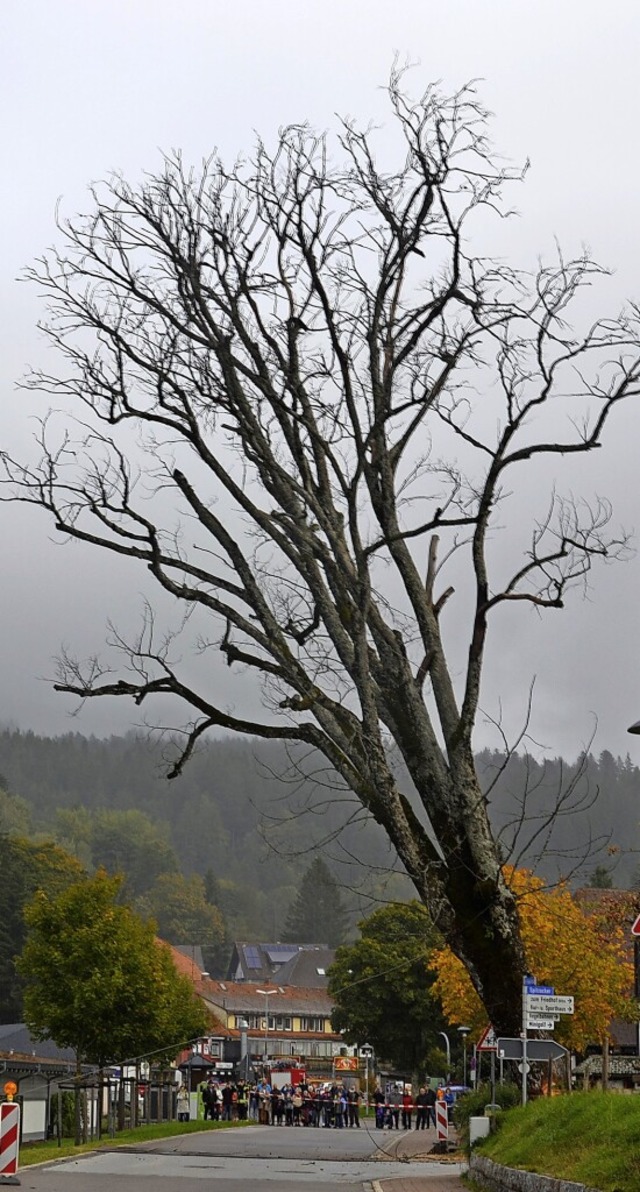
[284, 1011]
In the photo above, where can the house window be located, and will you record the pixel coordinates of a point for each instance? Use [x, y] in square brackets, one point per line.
[287, 1024]
[253, 1021]
[312, 1024]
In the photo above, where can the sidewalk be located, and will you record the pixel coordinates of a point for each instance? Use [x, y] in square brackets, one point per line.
[436, 1182]
[441, 1172]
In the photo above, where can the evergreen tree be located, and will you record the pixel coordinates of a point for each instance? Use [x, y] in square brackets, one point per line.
[318, 914]
[26, 866]
[601, 878]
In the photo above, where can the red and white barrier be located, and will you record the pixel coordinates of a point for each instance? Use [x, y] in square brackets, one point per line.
[9, 1142]
[442, 1121]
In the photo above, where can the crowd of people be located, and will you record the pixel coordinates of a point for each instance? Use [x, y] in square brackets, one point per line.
[285, 1105]
[334, 1105]
[389, 1109]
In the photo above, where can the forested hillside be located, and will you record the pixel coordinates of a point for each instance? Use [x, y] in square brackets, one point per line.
[565, 819]
[243, 815]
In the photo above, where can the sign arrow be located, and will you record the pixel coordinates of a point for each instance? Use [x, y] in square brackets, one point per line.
[538, 1050]
[550, 1005]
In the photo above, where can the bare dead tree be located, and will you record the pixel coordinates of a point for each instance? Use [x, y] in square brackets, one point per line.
[331, 398]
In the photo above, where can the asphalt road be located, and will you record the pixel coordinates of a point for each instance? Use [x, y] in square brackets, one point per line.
[259, 1158]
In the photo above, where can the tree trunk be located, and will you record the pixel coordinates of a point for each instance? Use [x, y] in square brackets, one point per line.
[466, 892]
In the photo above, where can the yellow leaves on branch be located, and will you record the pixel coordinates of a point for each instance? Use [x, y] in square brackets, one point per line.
[584, 954]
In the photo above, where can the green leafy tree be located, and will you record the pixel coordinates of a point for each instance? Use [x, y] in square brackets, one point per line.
[97, 981]
[181, 911]
[381, 987]
[129, 842]
[15, 816]
[26, 866]
[73, 827]
[317, 914]
[247, 909]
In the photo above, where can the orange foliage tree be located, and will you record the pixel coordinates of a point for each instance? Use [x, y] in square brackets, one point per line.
[584, 954]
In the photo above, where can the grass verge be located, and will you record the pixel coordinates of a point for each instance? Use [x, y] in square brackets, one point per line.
[592, 1138]
[43, 1152]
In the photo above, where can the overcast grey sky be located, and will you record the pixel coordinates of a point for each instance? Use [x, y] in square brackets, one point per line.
[86, 87]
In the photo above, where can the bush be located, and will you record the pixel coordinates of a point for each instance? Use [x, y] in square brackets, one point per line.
[473, 1105]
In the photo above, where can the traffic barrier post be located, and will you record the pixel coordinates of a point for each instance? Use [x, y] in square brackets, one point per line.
[442, 1120]
[9, 1142]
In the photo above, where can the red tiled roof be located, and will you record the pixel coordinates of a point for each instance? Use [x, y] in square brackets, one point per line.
[185, 967]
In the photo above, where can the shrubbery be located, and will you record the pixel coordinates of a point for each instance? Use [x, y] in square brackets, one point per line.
[473, 1105]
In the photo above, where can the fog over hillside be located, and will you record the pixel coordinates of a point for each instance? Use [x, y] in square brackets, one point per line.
[253, 814]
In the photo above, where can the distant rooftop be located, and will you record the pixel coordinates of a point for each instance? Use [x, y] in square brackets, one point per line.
[296, 964]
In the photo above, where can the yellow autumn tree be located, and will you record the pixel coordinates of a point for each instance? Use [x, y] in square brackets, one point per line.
[584, 954]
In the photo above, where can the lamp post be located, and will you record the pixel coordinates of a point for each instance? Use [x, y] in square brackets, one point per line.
[266, 993]
[448, 1046]
[464, 1031]
[243, 1026]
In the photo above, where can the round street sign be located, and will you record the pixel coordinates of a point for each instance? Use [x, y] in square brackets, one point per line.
[527, 1068]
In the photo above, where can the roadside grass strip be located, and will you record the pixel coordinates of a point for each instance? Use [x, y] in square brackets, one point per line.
[591, 1138]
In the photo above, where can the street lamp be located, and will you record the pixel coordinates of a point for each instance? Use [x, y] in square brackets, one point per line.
[448, 1046]
[266, 993]
[243, 1027]
[464, 1031]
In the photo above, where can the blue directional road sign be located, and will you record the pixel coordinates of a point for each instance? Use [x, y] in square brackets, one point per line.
[540, 990]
